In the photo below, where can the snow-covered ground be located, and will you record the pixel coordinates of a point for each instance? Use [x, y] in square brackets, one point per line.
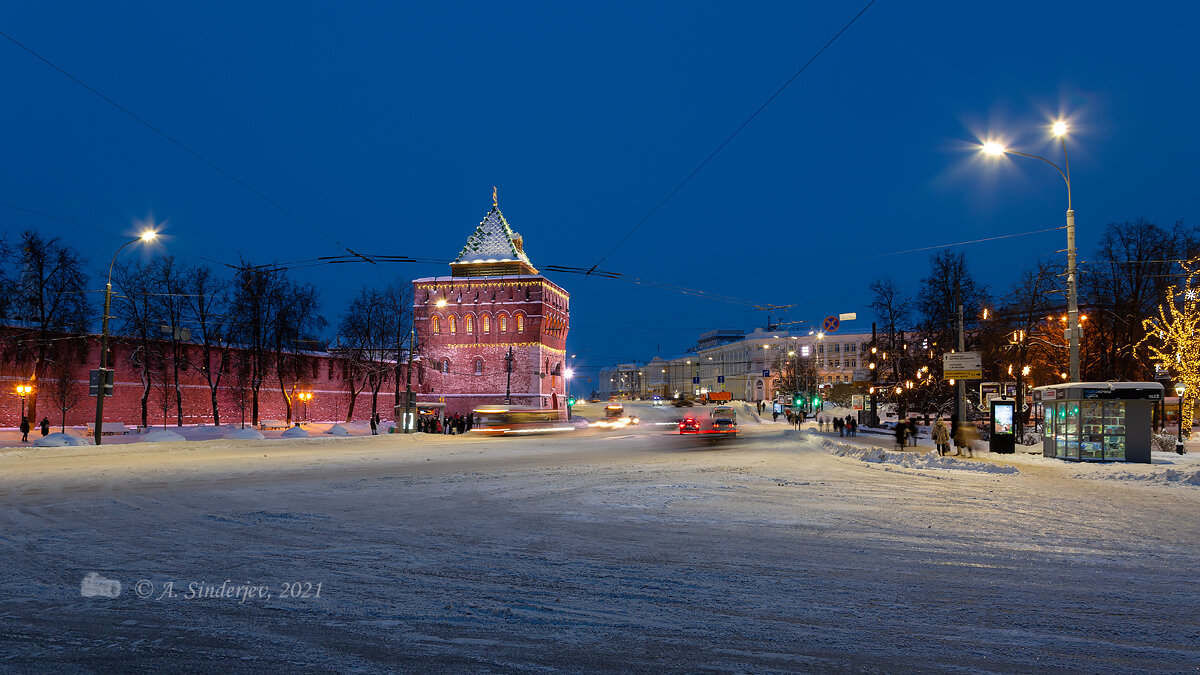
[635, 550]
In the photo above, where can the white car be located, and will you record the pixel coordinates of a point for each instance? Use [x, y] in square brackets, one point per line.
[656, 401]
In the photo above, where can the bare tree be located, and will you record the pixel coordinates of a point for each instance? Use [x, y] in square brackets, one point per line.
[66, 391]
[137, 311]
[167, 297]
[296, 333]
[206, 307]
[48, 299]
[253, 314]
[367, 333]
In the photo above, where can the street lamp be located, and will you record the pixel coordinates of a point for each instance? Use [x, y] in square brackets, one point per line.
[147, 237]
[1179, 389]
[23, 390]
[305, 397]
[1059, 129]
[568, 374]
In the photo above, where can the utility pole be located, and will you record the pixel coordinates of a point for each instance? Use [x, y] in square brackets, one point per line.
[874, 421]
[1072, 292]
[508, 363]
[960, 387]
[408, 422]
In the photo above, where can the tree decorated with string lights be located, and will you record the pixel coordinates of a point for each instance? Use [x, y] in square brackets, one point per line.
[1173, 336]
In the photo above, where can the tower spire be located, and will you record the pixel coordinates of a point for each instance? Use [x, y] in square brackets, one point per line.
[495, 203]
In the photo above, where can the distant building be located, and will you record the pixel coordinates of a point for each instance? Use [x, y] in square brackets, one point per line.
[495, 307]
[745, 364]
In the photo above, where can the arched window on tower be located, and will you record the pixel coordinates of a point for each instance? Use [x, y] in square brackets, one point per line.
[503, 323]
[478, 366]
[453, 324]
[435, 324]
[444, 366]
[469, 321]
[486, 322]
[520, 323]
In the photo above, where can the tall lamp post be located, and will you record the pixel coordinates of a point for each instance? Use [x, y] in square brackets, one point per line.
[23, 390]
[1059, 130]
[147, 237]
[1179, 390]
[568, 374]
[305, 397]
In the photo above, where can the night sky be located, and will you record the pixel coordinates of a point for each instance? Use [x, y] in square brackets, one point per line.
[385, 126]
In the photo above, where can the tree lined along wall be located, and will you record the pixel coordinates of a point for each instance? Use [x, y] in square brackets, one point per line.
[187, 344]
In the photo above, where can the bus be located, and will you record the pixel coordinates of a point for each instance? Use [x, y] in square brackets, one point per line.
[500, 420]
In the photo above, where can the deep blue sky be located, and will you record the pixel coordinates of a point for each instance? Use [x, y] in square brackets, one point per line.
[386, 125]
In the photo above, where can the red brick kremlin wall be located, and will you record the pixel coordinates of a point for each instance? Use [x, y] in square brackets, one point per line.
[325, 377]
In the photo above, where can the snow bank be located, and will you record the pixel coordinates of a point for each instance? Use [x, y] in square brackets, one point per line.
[1165, 477]
[247, 434]
[294, 432]
[913, 460]
[161, 436]
[337, 430]
[59, 440]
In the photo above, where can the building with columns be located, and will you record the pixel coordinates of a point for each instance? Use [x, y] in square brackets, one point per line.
[495, 330]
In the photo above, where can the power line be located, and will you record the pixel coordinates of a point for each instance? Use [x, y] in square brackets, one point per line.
[176, 142]
[964, 243]
[731, 137]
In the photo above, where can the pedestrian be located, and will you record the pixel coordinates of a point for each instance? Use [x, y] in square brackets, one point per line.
[853, 427]
[965, 438]
[374, 424]
[901, 431]
[774, 416]
[941, 437]
[838, 426]
[45, 426]
[912, 430]
[24, 429]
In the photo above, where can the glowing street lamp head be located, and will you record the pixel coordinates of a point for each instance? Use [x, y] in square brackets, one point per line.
[993, 148]
[441, 302]
[1060, 128]
[148, 235]
[569, 373]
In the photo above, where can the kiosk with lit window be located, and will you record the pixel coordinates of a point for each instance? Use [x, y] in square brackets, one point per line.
[1099, 421]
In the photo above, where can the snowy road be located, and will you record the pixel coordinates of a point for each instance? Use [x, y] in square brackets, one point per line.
[632, 550]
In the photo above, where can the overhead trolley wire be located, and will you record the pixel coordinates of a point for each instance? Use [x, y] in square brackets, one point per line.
[181, 145]
[720, 147]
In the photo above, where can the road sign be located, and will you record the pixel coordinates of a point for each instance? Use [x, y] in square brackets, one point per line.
[856, 402]
[695, 380]
[861, 376]
[962, 366]
[831, 324]
[848, 316]
[766, 373]
[720, 379]
[94, 383]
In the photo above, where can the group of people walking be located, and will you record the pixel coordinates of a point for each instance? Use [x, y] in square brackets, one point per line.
[964, 436]
[453, 424]
[845, 426]
[26, 428]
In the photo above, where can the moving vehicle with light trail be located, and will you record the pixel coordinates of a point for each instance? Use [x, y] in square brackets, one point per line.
[615, 417]
[499, 420]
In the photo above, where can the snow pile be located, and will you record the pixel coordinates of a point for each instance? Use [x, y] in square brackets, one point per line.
[59, 440]
[294, 432]
[913, 460]
[162, 436]
[1165, 477]
[246, 434]
[338, 430]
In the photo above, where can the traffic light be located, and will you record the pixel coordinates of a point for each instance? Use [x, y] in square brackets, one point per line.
[797, 400]
[816, 401]
[571, 401]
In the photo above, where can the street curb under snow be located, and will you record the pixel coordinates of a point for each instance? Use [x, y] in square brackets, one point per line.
[913, 460]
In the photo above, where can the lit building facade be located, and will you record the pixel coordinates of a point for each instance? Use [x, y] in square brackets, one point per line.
[495, 330]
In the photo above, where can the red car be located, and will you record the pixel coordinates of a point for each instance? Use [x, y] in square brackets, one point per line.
[689, 425]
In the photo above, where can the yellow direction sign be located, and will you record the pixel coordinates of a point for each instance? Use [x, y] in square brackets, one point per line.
[962, 366]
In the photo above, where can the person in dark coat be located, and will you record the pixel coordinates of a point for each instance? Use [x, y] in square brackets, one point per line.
[912, 430]
[45, 426]
[374, 425]
[901, 432]
[24, 429]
